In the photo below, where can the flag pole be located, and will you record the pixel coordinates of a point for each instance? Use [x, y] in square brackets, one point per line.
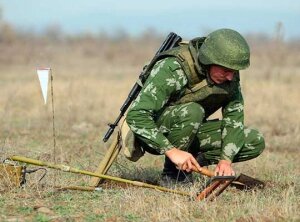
[53, 117]
[44, 75]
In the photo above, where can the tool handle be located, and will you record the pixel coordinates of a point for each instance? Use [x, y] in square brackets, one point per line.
[204, 171]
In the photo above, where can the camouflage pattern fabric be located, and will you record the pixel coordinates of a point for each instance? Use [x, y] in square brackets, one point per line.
[210, 138]
[162, 127]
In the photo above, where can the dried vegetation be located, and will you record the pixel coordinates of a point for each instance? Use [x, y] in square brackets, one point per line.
[92, 76]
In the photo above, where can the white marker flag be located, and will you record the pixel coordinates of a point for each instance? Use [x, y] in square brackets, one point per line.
[43, 74]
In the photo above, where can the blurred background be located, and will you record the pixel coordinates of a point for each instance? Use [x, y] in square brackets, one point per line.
[134, 18]
[97, 48]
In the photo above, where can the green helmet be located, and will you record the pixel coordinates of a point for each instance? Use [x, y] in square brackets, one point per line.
[225, 47]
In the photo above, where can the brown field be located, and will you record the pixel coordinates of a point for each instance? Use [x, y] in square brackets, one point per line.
[92, 77]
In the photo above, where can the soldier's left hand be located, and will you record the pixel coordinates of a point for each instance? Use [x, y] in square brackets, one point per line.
[224, 168]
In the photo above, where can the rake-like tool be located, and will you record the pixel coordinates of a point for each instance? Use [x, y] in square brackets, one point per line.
[217, 184]
[214, 186]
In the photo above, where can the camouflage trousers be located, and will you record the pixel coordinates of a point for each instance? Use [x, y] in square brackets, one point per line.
[185, 127]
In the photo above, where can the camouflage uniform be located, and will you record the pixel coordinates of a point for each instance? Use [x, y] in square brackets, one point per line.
[162, 127]
[160, 124]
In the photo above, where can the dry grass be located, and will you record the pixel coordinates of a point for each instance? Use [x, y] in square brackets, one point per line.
[91, 80]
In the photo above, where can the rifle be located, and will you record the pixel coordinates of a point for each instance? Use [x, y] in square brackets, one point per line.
[170, 42]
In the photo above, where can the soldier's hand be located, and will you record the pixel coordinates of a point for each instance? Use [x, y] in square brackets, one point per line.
[182, 159]
[224, 168]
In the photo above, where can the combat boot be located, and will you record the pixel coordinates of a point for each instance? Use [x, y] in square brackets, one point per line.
[202, 160]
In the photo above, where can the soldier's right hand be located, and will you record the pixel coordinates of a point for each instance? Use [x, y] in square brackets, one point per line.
[182, 159]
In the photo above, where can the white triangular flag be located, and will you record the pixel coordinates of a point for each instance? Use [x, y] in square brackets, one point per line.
[43, 74]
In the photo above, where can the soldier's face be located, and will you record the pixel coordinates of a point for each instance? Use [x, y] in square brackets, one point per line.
[220, 74]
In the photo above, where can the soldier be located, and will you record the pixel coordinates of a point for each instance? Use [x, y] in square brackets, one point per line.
[185, 86]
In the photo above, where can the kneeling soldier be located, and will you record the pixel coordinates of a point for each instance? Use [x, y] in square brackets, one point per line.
[185, 86]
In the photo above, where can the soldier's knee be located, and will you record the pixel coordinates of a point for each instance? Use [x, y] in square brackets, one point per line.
[195, 112]
[257, 140]
[260, 145]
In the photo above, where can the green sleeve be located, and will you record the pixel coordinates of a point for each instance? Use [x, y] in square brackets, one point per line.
[166, 79]
[233, 126]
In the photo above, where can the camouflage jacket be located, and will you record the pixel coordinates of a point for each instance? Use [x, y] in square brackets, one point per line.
[166, 83]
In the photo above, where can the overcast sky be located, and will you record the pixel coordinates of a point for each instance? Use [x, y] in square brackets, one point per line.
[188, 18]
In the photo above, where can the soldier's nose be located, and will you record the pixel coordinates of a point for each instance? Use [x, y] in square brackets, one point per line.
[229, 76]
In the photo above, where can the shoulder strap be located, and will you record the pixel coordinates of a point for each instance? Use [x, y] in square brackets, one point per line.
[185, 57]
